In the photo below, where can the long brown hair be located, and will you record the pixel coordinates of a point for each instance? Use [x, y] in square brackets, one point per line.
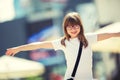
[73, 18]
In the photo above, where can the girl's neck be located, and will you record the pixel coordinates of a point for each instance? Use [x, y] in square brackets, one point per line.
[73, 37]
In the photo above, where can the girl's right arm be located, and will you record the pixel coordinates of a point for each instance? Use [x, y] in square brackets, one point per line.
[31, 46]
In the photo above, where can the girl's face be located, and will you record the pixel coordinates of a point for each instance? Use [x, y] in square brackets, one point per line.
[73, 31]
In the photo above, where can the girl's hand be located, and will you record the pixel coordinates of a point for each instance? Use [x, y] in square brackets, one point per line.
[12, 51]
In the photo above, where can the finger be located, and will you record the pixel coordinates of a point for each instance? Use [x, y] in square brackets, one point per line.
[13, 54]
[9, 53]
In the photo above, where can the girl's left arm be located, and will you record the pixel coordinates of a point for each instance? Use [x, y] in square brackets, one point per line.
[104, 36]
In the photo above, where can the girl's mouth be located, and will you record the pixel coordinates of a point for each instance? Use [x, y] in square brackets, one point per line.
[74, 32]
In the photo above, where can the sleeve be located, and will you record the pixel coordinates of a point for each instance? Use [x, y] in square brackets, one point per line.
[57, 44]
[91, 37]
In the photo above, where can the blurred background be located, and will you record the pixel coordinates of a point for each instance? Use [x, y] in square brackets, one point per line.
[26, 21]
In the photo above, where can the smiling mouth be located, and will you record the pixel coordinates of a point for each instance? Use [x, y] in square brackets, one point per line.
[74, 32]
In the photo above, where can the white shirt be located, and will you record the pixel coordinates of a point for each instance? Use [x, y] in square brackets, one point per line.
[84, 70]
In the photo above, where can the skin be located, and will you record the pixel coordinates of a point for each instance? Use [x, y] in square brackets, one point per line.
[73, 32]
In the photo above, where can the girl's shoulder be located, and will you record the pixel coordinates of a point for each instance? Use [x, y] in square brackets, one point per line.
[91, 37]
[90, 34]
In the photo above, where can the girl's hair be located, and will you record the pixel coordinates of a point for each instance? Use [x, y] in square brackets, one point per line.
[73, 18]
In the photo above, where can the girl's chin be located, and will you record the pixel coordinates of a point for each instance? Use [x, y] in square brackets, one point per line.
[73, 36]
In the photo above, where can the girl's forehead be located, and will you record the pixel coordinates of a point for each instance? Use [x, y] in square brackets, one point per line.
[72, 24]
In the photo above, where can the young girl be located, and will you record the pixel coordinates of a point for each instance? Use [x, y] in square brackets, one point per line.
[74, 34]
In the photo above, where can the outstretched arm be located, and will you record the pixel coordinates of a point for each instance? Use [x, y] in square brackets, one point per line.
[104, 36]
[31, 46]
